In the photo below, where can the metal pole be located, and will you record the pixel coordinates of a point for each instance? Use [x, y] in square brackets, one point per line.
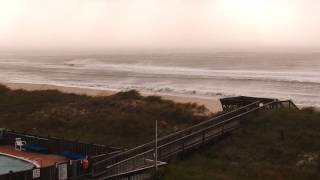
[156, 149]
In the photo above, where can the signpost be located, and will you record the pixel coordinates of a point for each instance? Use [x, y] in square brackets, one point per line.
[36, 173]
[63, 171]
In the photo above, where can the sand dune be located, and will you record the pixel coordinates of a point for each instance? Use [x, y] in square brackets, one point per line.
[212, 103]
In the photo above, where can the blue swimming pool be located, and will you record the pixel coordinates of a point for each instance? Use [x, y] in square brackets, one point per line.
[8, 164]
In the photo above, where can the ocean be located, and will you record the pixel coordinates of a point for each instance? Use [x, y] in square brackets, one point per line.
[283, 75]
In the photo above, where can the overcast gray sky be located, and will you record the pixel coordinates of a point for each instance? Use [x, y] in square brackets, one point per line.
[116, 24]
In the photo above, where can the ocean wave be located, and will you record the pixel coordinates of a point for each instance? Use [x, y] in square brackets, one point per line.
[300, 85]
[154, 71]
[148, 70]
[303, 99]
[82, 62]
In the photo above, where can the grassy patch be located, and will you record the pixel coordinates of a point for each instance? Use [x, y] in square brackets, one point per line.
[124, 119]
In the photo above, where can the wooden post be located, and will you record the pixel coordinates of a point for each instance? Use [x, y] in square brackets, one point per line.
[289, 104]
[203, 137]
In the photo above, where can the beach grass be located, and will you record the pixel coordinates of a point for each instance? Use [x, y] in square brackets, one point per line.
[279, 144]
[125, 119]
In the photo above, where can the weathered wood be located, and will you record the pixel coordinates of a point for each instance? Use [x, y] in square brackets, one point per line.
[232, 103]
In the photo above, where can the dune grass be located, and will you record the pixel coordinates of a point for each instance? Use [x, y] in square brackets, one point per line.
[283, 144]
[124, 119]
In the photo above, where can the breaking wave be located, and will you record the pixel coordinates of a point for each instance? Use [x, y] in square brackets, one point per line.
[148, 70]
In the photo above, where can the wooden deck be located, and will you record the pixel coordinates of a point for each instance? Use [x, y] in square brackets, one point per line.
[43, 160]
[131, 164]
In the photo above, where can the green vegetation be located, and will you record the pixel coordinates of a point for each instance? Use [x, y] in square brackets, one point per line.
[125, 119]
[282, 144]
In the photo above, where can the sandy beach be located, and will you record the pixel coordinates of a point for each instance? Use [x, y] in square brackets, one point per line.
[212, 103]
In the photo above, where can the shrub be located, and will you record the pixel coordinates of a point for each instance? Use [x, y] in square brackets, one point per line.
[124, 119]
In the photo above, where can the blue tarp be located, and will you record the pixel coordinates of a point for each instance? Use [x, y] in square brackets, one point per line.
[35, 148]
[73, 155]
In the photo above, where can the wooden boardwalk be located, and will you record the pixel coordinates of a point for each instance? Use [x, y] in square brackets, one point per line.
[133, 164]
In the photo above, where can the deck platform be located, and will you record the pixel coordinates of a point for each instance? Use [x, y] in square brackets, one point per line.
[43, 160]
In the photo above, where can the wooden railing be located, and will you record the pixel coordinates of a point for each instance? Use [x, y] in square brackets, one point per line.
[287, 104]
[180, 133]
[111, 163]
[142, 157]
[171, 144]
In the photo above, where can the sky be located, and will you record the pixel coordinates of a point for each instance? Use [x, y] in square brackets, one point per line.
[152, 24]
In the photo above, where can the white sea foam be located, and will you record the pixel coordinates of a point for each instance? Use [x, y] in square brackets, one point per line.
[288, 79]
[152, 71]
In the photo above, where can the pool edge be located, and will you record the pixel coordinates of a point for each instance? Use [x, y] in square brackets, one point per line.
[22, 158]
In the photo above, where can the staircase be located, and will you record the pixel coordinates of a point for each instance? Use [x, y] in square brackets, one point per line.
[134, 163]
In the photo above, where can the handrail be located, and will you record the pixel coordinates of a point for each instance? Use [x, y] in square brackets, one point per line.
[182, 136]
[290, 103]
[179, 133]
[216, 125]
[132, 157]
[134, 171]
[208, 121]
[140, 159]
[175, 133]
[185, 137]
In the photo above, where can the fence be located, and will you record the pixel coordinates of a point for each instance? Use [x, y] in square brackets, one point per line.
[57, 146]
[176, 135]
[111, 163]
[170, 145]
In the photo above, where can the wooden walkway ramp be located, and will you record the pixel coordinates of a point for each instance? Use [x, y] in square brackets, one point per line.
[133, 163]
